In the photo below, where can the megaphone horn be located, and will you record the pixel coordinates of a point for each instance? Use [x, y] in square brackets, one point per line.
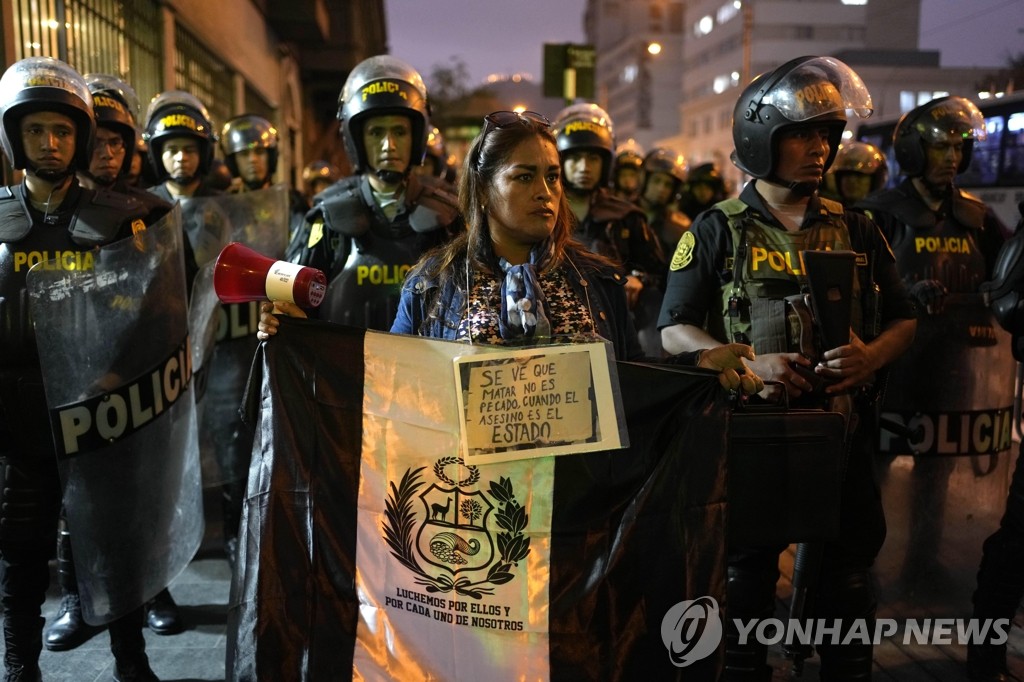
[241, 275]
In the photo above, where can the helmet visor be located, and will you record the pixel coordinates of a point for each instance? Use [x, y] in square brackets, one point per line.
[952, 118]
[42, 72]
[818, 87]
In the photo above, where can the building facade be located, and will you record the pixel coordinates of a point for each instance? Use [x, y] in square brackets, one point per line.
[273, 58]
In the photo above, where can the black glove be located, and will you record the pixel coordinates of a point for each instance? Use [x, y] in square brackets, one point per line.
[929, 295]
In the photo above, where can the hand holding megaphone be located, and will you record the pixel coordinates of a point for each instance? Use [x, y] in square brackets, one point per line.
[241, 275]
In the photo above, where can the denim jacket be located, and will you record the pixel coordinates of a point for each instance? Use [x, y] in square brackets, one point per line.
[601, 288]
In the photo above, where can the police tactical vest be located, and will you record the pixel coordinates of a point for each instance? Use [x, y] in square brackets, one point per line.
[766, 269]
[366, 278]
[930, 246]
[98, 218]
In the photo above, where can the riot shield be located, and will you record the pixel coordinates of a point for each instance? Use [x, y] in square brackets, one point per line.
[113, 345]
[224, 336]
[952, 392]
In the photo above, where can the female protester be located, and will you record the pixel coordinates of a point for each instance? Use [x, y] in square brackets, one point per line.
[518, 242]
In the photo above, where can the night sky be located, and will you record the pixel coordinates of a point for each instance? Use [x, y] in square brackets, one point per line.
[507, 36]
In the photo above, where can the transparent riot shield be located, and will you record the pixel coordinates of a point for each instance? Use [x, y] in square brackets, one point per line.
[112, 334]
[946, 454]
[224, 336]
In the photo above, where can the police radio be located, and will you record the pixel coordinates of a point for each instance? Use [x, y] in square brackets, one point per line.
[241, 275]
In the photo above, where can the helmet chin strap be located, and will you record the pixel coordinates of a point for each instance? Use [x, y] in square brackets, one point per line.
[52, 176]
[802, 189]
[182, 180]
[391, 177]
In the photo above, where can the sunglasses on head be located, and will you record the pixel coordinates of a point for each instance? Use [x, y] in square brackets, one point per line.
[504, 119]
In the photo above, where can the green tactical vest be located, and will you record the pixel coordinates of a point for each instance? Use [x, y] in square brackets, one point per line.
[766, 268]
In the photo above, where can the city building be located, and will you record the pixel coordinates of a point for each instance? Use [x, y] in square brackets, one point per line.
[725, 43]
[285, 60]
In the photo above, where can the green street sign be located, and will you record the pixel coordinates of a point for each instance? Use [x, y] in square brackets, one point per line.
[569, 70]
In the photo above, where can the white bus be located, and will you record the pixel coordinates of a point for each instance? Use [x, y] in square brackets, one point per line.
[996, 173]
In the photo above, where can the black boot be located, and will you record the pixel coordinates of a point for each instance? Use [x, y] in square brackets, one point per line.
[68, 630]
[129, 648]
[1000, 588]
[750, 595]
[162, 615]
[847, 594]
[24, 640]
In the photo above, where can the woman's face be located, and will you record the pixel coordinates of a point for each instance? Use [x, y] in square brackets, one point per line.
[523, 199]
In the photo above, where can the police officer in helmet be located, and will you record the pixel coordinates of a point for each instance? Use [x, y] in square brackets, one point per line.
[627, 169]
[318, 176]
[946, 243]
[114, 107]
[367, 230]
[46, 129]
[704, 188]
[437, 163]
[617, 229]
[786, 128]
[181, 142]
[859, 169]
[664, 172]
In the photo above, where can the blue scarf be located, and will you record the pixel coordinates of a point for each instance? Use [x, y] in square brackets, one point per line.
[522, 302]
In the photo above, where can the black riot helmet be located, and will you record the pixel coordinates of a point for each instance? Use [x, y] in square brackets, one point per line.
[803, 90]
[383, 86]
[664, 160]
[319, 173]
[934, 122]
[439, 162]
[44, 84]
[586, 127]
[858, 157]
[246, 132]
[629, 154]
[115, 105]
[176, 113]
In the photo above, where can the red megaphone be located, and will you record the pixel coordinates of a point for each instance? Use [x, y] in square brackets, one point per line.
[241, 275]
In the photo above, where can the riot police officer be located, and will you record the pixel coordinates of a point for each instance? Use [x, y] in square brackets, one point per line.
[728, 281]
[627, 169]
[704, 188]
[318, 176]
[367, 230]
[437, 163]
[114, 107]
[46, 129]
[860, 169]
[250, 145]
[664, 173]
[181, 141]
[584, 134]
[946, 243]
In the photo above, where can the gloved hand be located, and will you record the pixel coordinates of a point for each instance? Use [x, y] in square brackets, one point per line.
[929, 294]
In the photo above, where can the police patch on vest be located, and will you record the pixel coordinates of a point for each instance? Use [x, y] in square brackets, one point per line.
[316, 233]
[684, 252]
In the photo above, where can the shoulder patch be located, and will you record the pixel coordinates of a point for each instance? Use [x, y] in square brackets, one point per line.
[316, 233]
[684, 252]
[138, 226]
